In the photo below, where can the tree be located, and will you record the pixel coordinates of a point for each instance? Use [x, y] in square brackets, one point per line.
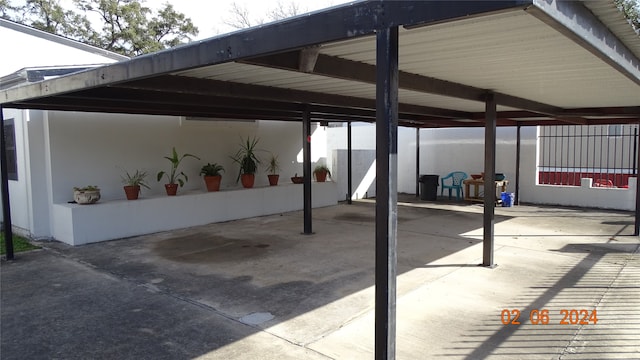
[283, 11]
[241, 18]
[6, 9]
[129, 27]
[631, 10]
[49, 16]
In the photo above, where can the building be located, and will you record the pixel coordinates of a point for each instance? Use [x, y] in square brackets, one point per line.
[85, 146]
[47, 164]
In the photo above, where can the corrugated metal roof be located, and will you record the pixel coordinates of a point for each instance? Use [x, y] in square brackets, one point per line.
[513, 53]
[258, 75]
[616, 22]
[538, 57]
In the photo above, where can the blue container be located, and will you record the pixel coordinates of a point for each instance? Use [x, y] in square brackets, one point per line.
[507, 199]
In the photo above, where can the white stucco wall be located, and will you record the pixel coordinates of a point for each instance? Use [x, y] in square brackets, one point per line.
[92, 149]
[37, 174]
[362, 174]
[588, 196]
[364, 145]
[30, 195]
[441, 151]
[446, 150]
[60, 150]
[113, 219]
[18, 196]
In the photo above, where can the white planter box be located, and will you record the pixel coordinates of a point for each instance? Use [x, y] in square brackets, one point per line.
[106, 220]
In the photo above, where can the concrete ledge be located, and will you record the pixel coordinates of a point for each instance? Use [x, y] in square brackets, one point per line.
[586, 195]
[106, 220]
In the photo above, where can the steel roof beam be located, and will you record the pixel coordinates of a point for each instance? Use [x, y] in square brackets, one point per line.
[159, 102]
[159, 97]
[632, 111]
[345, 69]
[189, 85]
[117, 106]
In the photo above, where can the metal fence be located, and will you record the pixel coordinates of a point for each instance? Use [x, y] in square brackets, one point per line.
[608, 154]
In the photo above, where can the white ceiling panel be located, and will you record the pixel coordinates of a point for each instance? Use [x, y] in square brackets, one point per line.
[512, 53]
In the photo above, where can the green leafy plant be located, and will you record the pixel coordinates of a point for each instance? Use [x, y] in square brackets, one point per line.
[273, 165]
[246, 157]
[87, 188]
[320, 168]
[173, 175]
[135, 179]
[211, 169]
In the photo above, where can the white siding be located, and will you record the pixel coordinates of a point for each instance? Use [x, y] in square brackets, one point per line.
[36, 52]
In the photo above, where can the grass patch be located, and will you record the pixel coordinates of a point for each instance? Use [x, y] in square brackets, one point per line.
[19, 244]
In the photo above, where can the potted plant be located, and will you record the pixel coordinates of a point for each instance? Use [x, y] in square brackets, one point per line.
[212, 176]
[272, 167]
[173, 175]
[321, 172]
[297, 179]
[133, 182]
[86, 195]
[248, 160]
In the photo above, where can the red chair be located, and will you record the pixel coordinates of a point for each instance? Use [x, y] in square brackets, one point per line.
[603, 183]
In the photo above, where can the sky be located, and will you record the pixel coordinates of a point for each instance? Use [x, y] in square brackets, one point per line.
[209, 15]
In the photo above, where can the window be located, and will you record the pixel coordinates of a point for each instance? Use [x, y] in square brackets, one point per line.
[10, 143]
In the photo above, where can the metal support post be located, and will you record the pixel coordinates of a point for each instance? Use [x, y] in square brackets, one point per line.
[6, 208]
[636, 139]
[636, 227]
[417, 162]
[518, 144]
[306, 167]
[386, 192]
[489, 180]
[349, 165]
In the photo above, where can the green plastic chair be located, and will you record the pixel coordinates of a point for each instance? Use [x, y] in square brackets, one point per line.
[455, 183]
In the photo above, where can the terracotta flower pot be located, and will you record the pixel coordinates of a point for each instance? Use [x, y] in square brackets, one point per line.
[132, 192]
[213, 182]
[172, 189]
[273, 179]
[247, 180]
[321, 176]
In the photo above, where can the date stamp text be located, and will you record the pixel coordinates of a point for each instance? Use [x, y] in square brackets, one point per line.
[544, 317]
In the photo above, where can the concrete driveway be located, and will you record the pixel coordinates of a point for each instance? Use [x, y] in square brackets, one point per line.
[258, 289]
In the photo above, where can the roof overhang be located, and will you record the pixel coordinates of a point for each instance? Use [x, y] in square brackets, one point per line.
[546, 62]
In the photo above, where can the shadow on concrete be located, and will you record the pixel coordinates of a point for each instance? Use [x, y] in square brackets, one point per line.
[593, 302]
[259, 282]
[172, 289]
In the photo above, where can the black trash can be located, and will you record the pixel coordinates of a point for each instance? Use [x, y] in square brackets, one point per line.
[429, 187]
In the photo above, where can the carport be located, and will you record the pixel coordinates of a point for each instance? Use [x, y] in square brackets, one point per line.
[398, 63]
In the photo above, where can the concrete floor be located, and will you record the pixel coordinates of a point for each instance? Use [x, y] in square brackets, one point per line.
[258, 289]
